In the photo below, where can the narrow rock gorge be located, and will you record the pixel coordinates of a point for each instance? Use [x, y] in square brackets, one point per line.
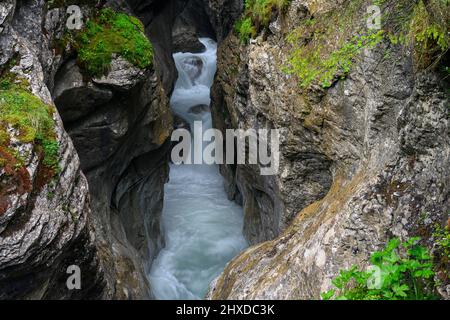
[86, 119]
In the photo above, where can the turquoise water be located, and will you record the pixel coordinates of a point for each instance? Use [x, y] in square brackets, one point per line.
[203, 229]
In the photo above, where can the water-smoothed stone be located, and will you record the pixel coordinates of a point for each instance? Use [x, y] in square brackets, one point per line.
[45, 227]
[360, 163]
[107, 224]
[193, 67]
[123, 152]
[199, 109]
[76, 96]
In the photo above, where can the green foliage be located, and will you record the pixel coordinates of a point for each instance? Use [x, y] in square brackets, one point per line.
[324, 47]
[405, 272]
[257, 15]
[112, 33]
[422, 24]
[314, 64]
[32, 118]
[245, 29]
[51, 151]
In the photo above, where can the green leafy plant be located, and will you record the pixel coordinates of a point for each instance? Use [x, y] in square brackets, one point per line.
[421, 24]
[112, 33]
[402, 271]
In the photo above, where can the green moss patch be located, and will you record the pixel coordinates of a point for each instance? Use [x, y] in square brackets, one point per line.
[32, 118]
[111, 33]
[323, 48]
[257, 15]
[316, 64]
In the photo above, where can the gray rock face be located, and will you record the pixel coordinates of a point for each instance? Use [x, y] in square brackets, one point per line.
[45, 227]
[222, 15]
[175, 25]
[204, 18]
[252, 94]
[361, 162]
[185, 39]
[122, 76]
[119, 125]
[121, 143]
[158, 18]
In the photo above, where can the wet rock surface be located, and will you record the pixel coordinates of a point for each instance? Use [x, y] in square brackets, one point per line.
[101, 211]
[121, 146]
[361, 162]
[46, 227]
[199, 109]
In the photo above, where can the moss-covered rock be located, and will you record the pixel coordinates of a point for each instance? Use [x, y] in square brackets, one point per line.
[107, 34]
[25, 119]
[257, 16]
[325, 46]
[360, 162]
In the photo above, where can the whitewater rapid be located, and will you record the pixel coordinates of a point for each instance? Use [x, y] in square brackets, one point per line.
[202, 228]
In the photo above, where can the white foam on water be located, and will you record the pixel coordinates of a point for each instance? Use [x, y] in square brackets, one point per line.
[202, 228]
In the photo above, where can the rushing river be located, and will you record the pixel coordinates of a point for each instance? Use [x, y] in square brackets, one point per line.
[203, 229]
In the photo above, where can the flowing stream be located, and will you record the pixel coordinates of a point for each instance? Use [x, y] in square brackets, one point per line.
[203, 229]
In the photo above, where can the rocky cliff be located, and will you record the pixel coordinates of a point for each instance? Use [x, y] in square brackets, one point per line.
[85, 119]
[363, 158]
[45, 221]
[52, 216]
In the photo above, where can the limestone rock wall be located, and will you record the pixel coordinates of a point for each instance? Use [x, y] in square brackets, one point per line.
[101, 212]
[361, 162]
[45, 228]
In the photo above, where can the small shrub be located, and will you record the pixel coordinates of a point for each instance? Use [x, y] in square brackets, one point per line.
[405, 273]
